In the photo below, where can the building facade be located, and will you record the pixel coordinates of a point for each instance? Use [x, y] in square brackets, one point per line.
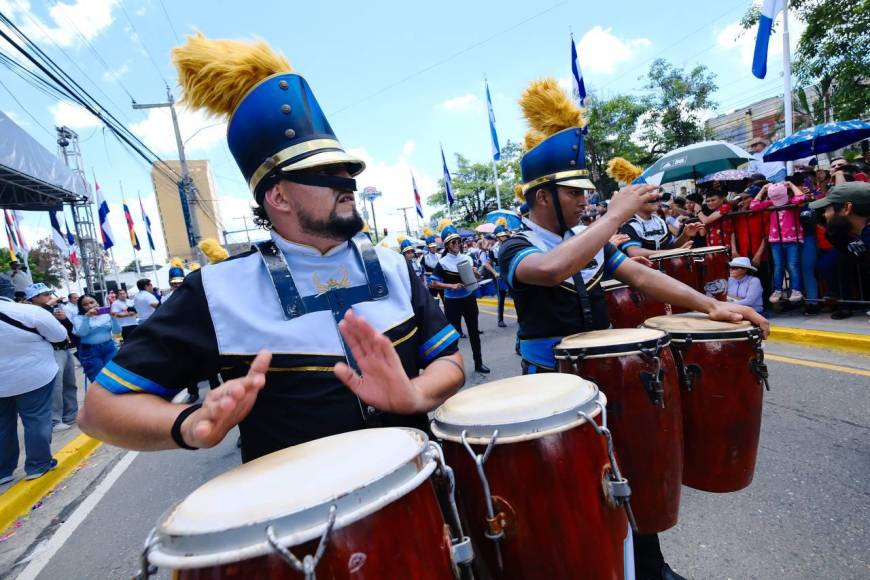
[171, 214]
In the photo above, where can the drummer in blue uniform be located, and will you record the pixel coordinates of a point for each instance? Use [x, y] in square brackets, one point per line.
[554, 266]
[314, 331]
[430, 260]
[408, 251]
[501, 235]
[459, 301]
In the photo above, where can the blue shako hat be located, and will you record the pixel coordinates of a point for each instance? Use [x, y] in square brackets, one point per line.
[500, 230]
[406, 246]
[430, 241]
[275, 122]
[176, 275]
[449, 233]
[559, 159]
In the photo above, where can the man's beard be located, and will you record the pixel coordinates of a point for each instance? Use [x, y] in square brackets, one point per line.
[838, 229]
[334, 227]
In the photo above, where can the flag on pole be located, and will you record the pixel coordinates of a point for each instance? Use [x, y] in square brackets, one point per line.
[496, 151]
[417, 202]
[71, 242]
[769, 11]
[103, 210]
[134, 239]
[579, 87]
[57, 236]
[11, 239]
[17, 218]
[147, 224]
[448, 187]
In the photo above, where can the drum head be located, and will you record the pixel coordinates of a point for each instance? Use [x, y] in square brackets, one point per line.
[670, 253]
[613, 284]
[613, 342]
[699, 327]
[225, 519]
[521, 408]
[711, 250]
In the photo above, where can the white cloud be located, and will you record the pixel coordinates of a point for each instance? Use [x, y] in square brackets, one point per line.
[462, 104]
[734, 37]
[408, 148]
[113, 75]
[198, 131]
[71, 115]
[16, 118]
[600, 51]
[68, 23]
[394, 181]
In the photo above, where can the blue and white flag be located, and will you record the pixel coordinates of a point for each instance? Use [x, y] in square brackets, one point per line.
[496, 151]
[147, 224]
[57, 236]
[103, 210]
[769, 11]
[448, 186]
[579, 89]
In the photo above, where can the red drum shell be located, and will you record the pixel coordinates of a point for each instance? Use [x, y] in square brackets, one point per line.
[680, 266]
[405, 539]
[712, 267]
[560, 525]
[628, 307]
[648, 439]
[721, 415]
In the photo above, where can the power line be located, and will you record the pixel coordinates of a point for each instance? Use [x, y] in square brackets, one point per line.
[143, 45]
[26, 110]
[446, 59]
[169, 20]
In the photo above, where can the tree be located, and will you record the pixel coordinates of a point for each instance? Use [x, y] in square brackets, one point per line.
[612, 125]
[674, 105]
[474, 190]
[47, 261]
[833, 51]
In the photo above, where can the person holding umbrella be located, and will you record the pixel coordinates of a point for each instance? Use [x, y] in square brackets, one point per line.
[773, 171]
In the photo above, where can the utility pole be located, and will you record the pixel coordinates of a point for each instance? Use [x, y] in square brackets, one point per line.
[186, 187]
[404, 211]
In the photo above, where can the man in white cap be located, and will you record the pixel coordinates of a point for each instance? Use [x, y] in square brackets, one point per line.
[743, 287]
[773, 171]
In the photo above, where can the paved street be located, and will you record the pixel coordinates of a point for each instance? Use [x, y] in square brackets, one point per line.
[805, 516]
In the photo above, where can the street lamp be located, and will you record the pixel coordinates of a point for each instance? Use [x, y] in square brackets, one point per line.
[371, 194]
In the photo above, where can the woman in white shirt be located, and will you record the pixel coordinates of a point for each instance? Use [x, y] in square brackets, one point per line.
[123, 311]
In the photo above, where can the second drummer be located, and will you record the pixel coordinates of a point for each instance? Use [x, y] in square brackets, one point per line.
[648, 233]
[554, 267]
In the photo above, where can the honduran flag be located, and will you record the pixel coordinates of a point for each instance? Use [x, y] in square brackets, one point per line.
[134, 239]
[579, 87]
[417, 202]
[57, 236]
[147, 224]
[448, 186]
[496, 150]
[103, 210]
[71, 242]
[769, 11]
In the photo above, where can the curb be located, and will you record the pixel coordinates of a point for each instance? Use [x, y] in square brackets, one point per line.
[21, 497]
[802, 336]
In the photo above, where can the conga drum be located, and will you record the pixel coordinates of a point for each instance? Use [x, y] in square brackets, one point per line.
[721, 368]
[538, 488]
[628, 307]
[711, 264]
[679, 264]
[634, 368]
[349, 506]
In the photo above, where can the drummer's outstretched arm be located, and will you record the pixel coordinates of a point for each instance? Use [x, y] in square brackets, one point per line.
[143, 422]
[663, 288]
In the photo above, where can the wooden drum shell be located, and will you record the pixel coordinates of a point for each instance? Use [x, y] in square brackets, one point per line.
[628, 307]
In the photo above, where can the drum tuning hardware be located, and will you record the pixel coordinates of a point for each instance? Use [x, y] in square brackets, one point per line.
[309, 563]
[653, 381]
[460, 544]
[688, 373]
[496, 522]
[616, 488]
[758, 366]
[147, 570]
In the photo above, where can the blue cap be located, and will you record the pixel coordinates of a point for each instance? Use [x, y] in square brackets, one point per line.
[430, 241]
[501, 230]
[36, 290]
[558, 159]
[405, 246]
[279, 125]
[449, 233]
[176, 275]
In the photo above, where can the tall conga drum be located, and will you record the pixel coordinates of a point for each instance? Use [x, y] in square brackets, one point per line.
[679, 264]
[711, 265]
[538, 488]
[721, 368]
[349, 506]
[634, 368]
[628, 307]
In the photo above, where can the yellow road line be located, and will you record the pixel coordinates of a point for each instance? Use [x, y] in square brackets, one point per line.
[495, 313]
[18, 499]
[817, 365]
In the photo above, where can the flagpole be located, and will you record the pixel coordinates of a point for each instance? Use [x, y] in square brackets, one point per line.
[497, 193]
[126, 211]
[786, 73]
[115, 267]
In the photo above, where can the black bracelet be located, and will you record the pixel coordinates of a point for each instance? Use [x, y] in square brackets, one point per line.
[176, 427]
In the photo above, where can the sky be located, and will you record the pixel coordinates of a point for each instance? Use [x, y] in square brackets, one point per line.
[394, 78]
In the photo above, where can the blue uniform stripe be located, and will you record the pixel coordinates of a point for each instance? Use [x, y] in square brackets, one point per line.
[435, 345]
[614, 262]
[630, 244]
[119, 380]
[516, 262]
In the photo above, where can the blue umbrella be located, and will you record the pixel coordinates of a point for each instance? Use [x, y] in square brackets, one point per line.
[818, 139]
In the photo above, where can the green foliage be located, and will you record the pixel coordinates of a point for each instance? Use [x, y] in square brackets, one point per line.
[612, 124]
[40, 263]
[674, 106]
[474, 190]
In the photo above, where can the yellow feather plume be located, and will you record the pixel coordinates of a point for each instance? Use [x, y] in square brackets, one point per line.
[400, 238]
[532, 139]
[518, 193]
[213, 251]
[548, 109]
[623, 170]
[427, 231]
[443, 223]
[194, 266]
[177, 263]
[501, 222]
[216, 74]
